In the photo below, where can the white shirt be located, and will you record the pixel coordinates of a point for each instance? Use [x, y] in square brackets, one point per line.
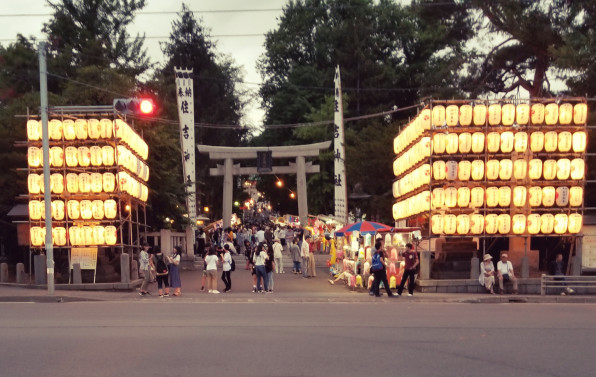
[227, 260]
[211, 261]
[144, 261]
[277, 250]
[260, 258]
[305, 249]
[505, 268]
[260, 235]
[232, 248]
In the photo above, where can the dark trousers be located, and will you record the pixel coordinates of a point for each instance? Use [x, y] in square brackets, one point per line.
[407, 274]
[227, 279]
[380, 276]
[162, 280]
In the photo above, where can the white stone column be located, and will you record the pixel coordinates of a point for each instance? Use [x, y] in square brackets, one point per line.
[228, 188]
[190, 241]
[301, 186]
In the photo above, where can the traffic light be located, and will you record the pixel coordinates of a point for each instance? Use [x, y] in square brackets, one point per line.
[137, 106]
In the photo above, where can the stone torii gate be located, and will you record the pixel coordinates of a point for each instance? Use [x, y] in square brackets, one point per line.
[229, 169]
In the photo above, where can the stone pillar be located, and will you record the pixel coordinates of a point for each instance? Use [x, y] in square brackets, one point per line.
[301, 188]
[425, 265]
[474, 268]
[228, 191]
[77, 277]
[21, 276]
[124, 268]
[190, 241]
[39, 262]
[576, 260]
[134, 270]
[165, 241]
[4, 273]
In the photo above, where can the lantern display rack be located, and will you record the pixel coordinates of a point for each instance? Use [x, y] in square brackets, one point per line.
[538, 145]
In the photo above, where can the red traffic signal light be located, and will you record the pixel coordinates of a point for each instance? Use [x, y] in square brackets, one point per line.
[146, 106]
[137, 106]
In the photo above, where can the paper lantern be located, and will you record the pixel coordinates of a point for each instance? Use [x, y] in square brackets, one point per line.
[34, 157]
[565, 113]
[81, 129]
[110, 209]
[34, 183]
[465, 142]
[520, 194]
[439, 143]
[492, 169]
[439, 170]
[119, 128]
[522, 114]
[33, 130]
[533, 223]
[86, 209]
[98, 235]
[424, 147]
[449, 224]
[84, 183]
[521, 141]
[96, 154]
[57, 183]
[507, 142]
[493, 142]
[452, 115]
[438, 116]
[424, 119]
[548, 196]
[438, 198]
[397, 167]
[494, 114]
[561, 221]
[491, 223]
[477, 197]
[105, 127]
[508, 114]
[549, 169]
[71, 156]
[72, 183]
[84, 156]
[520, 168]
[551, 114]
[537, 141]
[505, 169]
[463, 224]
[479, 115]
[75, 236]
[563, 169]
[451, 167]
[518, 224]
[107, 155]
[56, 157]
[450, 196]
[465, 115]
[55, 129]
[87, 235]
[576, 196]
[423, 200]
[579, 141]
[437, 224]
[35, 209]
[424, 176]
[534, 168]
[396, 147]
[38, 236]
[478, 142]
[477, 170]
[476, 223]
[537, 113]
[73, 209]
[564, 141]
[58, 212]
[463, 170]
[59, 236]
[144, 193]
[395, 189]
[577, 169]
[96, 182]
[575, 223]
[451, 143]
[504, 196]
[396, 211]
[580, 113]
[504, 223]
[463, 197]
[547, 223]
[492, 196]
[562, 196]
[535, 196]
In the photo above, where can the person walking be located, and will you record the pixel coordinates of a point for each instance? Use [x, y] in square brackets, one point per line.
[174, 260]
[161, 270]
[295, 253]
[411, 262]
[260, 257]
[226, 274]
[211, 261]
[145, 267]
[278, 256]
[379, 270]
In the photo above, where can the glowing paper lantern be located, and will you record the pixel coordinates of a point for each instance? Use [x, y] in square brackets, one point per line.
[535, 196]
[549, 169]
[463, 224]
[94, 130]
[492, 169]
[110, 208]
[518, 224]
[439, 143]
[451, 143]
[520, 168]
[505, 169]
[465, 142]
[576, 196]
[477, 197]
[34, 157]
[561, 221]
[34, 183]
[478, 142]
[533, 223]
[537, 141]
[144, 193]
[450, 196]
[38, 236]
[74, 209]
[451, 169]
[463, 170]
[479, 115]
[396, 147]
[438, 115]
[452, 115]
[476, 223]
[107, 155]
[535, 168]
[395, 189]
[521, 141]
[87, 233]
[424, 147]
[577, 169]
[465, 115]
[522, 114]
[563, 169]
[58, 210]
[111, 235]
[55, 129]
[397, 167]
[579, 141]
[575, 223]
[59, 236]
[438, 198]
[75, 235]
[395, 210]
[562, 196]
[463, 197]
[98, 235]
[119, 128]
[492, 196]
[439, 170]
[437, 224]
[564, 141]
[56, 157]
[86, 209]
[81, 129]
[33, 130]
[97, 209]
[84, 156]
[477, 170]
[57, 183]
[504, 223]
[504, 196]
[71, 154]
[494, 114]
[537, 113]
[96, 182]
[547, 223]
[106, 128]
[520, 193]
[424, 119]
[84, 183]
[449, 224]
[72, 183]
[507, 142]
[96, 153]
[580, 113]
[548, 196]
[551, 114]
[493, 142]
[35, 209]
[491, 222]
[508, 114]
[565, 113]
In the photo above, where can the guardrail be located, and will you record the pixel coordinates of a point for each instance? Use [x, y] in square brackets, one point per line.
[580, 284]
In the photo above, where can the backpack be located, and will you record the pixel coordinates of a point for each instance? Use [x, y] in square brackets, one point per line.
[161, 268]
[232, 265]
[376, 265]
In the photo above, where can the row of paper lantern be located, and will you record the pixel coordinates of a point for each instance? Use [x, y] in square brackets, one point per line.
[95, 156]
[412, 156]
[84, 209]
[76, 236]
[89, 183]
[547, 223]
[495, 114]
[82, 129]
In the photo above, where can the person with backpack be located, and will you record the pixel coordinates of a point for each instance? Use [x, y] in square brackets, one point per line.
[161, 270]
[175, 281]
[379, 270]
[226, 269]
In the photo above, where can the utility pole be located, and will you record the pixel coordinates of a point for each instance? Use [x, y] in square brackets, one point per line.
[43, 93]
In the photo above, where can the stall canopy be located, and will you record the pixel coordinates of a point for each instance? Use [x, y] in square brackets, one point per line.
[363, 227]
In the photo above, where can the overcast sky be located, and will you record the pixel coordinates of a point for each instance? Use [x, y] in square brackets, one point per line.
[238, 26]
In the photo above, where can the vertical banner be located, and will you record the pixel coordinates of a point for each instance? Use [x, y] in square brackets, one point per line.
[341, 200]
[184, 93]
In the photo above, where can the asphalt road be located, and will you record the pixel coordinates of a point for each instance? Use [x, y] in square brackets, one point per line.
[385, 338]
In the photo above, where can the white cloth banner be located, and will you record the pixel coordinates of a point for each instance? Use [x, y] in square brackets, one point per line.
[339, 151]
[184, 93]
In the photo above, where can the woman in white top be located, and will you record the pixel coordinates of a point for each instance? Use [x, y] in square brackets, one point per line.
[487, 273]
[227, 267]
[259, 259]
[211, 261]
